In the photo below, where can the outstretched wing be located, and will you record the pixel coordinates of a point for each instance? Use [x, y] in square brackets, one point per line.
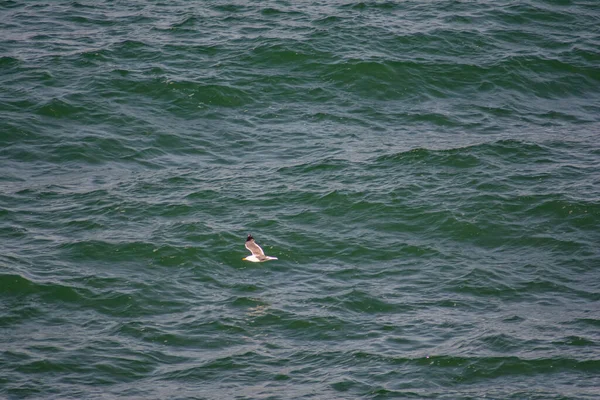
[254, 248]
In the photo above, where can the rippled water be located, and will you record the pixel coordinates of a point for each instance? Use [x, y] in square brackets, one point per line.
[427, 173]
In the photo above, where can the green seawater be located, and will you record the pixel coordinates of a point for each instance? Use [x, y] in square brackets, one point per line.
[427, 173]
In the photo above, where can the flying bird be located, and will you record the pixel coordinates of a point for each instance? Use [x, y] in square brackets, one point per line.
[258, 255]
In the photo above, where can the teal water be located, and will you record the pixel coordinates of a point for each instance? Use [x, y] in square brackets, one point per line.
[427, 173]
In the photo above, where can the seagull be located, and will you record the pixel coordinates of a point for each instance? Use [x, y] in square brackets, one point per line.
[258, 255]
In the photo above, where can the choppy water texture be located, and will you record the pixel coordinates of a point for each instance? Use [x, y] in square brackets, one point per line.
[427, 173]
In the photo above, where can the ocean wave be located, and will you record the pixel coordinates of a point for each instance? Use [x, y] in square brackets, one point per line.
[425, 173]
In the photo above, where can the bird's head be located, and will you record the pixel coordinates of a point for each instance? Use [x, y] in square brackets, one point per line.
[249, 238]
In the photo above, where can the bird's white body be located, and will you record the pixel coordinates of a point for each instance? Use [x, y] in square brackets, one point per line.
[253, 258]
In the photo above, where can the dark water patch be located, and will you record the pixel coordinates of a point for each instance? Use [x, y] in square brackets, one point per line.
[328, 21]
[383, 80]
[321, 117]
[482, 232]
[163, 255]
[572, 82]
[406, 250]
[554, 117]
[299, 56]
[441, 120]
[205, 194]
[13, 232]
[592, 322]
[93, 370]
[482, 282]
[503, 343]
[148, 156]
[83, 6]
[515, 151]
[51, 291]
[133, 50]
[346, 273]
[49, 367]
[580, 213]
[59, 108]
[87, 20]
[116, 369]
[91, 149]
[391, 79]
[529, 13]
[222, 96]
[514, 319]
[230, 8]
[184, 97]
[188, 22]
[211, 368]
[28, 389]
[16, 357]
[315, 324]
[104, 250]
[195, 49]
[203, 336]
[116, 303]
[11, 106]
[18, 313]
[11, 4]
[36, 77]
[270, 11]
[99, 283]
[372, 5]
[356, 274]
[9, 62]
[496, 367]
[178, 143]
[464, 48]
[581, 54]
[360, 302]
[303, 327]
[93, 59]
[580, 249]
[576, 341]
[471, 369]
[328, 165]
[170, 210]
[458, 158]
[539, 286]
